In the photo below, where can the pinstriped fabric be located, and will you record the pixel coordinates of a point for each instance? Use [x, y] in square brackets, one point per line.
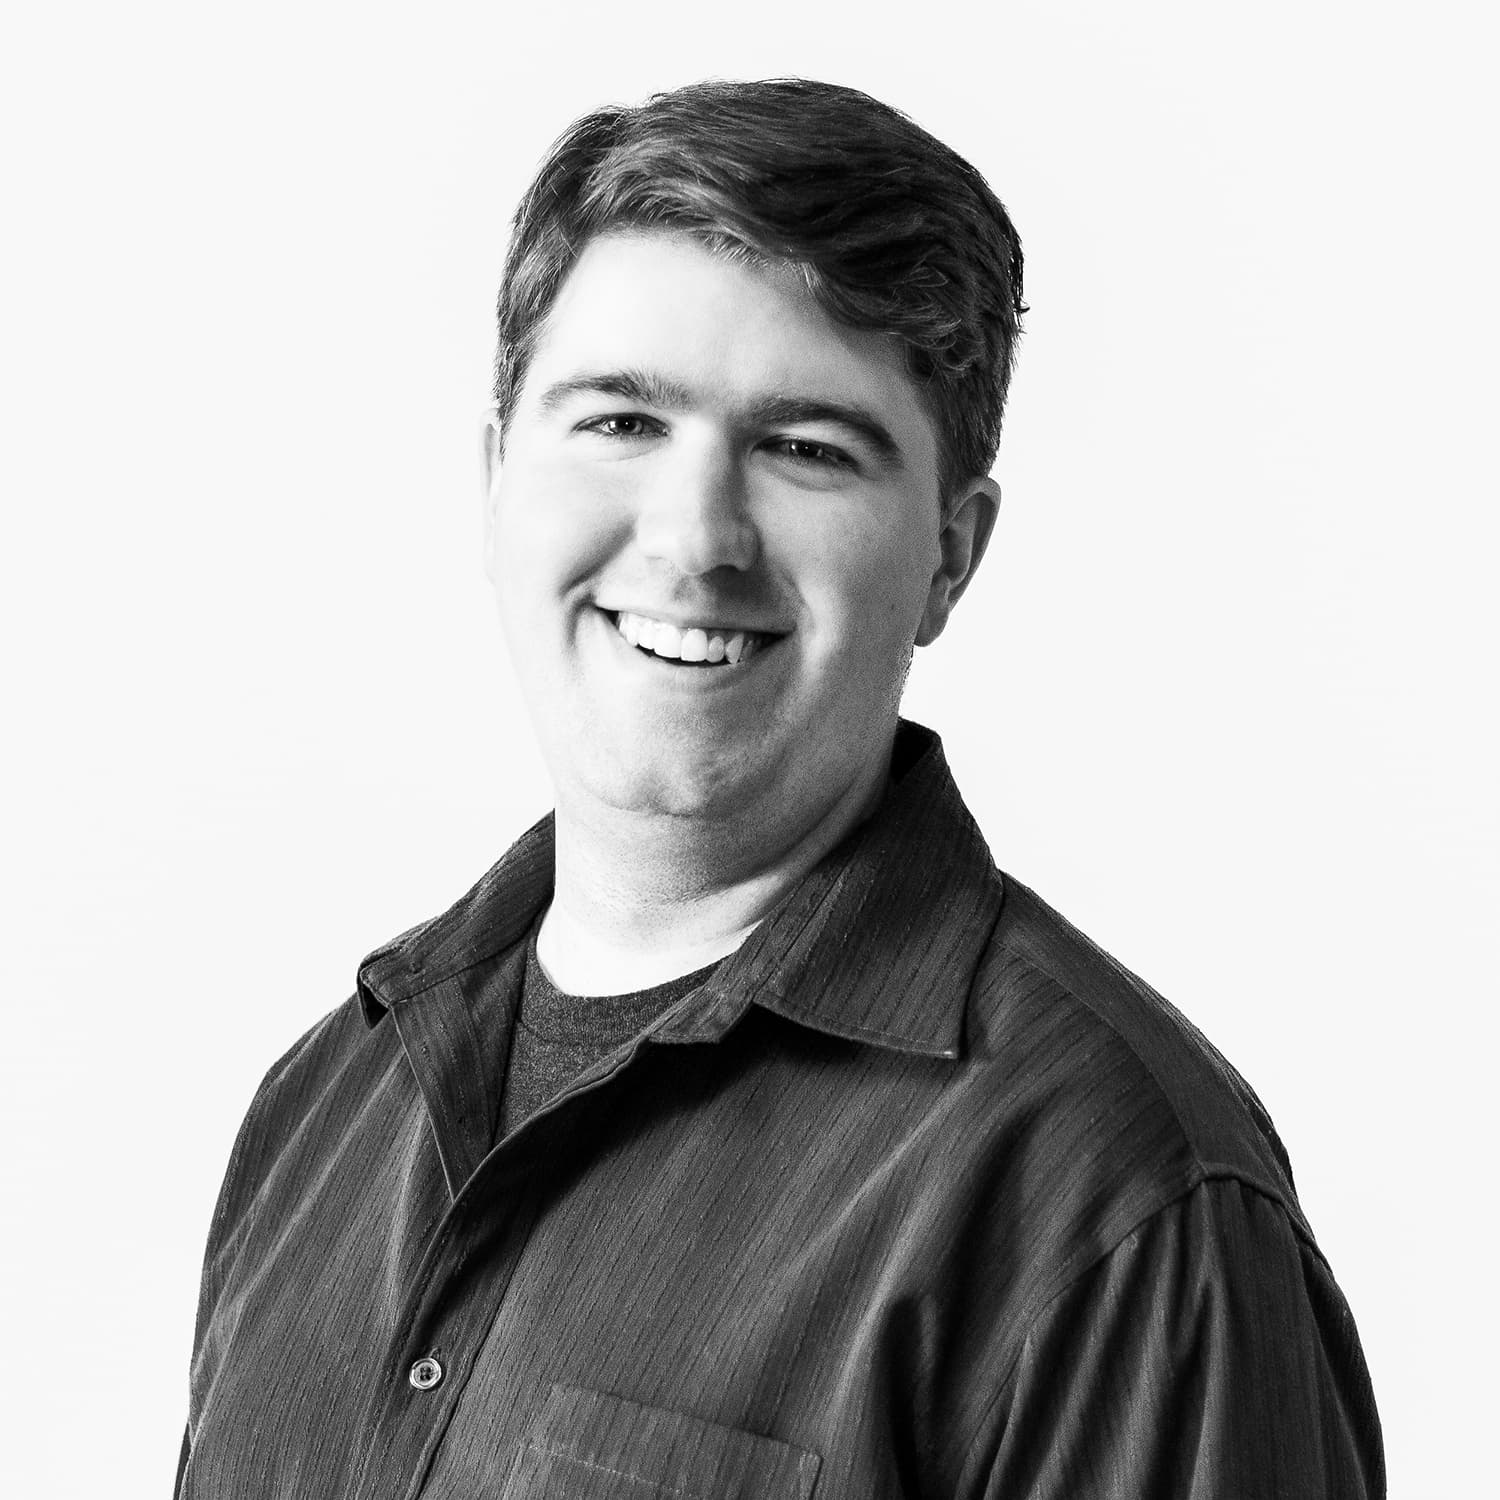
[583, 1440]
[919, 1195]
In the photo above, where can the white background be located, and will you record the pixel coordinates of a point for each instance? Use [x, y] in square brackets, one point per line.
[257, 714]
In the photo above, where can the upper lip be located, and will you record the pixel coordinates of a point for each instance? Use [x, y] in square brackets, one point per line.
[683, 621]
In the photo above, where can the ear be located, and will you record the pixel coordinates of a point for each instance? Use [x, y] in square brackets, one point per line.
[490, 456]
[967, 525]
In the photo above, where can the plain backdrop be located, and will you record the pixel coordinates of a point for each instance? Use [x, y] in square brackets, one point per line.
[258, 717]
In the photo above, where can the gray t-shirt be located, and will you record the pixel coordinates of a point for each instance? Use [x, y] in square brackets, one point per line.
[557, 1036]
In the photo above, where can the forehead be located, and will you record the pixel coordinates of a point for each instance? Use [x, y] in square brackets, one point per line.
[729, 329]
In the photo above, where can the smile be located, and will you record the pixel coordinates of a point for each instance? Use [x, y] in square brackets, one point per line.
[695, 645]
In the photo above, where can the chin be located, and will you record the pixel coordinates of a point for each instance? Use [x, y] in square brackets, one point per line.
[665, 784]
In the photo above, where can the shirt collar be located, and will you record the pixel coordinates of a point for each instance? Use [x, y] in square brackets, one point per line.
[878, 943]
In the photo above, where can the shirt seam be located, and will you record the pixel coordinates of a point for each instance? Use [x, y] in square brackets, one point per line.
[1269, 1190]
[1206, 1174]
[573, 1458]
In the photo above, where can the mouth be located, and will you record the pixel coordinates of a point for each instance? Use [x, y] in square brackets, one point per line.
[703, 646]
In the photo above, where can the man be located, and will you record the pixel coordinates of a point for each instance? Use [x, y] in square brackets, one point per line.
[744, 1131]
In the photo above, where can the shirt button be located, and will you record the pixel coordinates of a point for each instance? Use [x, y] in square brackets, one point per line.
[425, 1374]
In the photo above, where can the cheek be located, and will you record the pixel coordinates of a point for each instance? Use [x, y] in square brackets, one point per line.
[552, 530]
[871, 593]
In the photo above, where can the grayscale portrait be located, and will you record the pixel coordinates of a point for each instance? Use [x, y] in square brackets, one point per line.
[745, 1130]
[751, 754]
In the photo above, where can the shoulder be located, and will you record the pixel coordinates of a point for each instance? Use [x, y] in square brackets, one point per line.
[1113, 1100]
[1132, 1250]
[294, 1089]
[303, 1071]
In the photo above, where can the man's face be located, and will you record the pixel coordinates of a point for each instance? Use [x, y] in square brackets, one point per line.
[714, 537]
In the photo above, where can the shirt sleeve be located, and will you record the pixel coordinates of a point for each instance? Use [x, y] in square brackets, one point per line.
[1210, 1354]
[182, 1461]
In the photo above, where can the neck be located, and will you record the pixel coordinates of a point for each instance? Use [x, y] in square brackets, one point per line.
[654, 891]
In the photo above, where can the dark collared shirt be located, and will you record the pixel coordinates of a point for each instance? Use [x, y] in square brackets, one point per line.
[920, 1194]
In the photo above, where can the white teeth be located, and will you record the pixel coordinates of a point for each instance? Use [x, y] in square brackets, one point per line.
[666, 640]
[695, 643]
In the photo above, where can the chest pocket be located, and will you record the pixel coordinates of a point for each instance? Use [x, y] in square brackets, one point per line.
[585, 1446]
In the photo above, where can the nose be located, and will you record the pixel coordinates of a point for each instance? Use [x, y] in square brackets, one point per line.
[694, 514]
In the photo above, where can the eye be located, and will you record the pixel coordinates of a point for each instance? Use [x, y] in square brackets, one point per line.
[627, 424]
[821, 455]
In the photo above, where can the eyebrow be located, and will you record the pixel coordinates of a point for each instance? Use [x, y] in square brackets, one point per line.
[628, 385]
[793, 411]
[773, 411]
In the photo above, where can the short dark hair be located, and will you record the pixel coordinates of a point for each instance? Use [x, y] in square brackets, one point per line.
[891, 230]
